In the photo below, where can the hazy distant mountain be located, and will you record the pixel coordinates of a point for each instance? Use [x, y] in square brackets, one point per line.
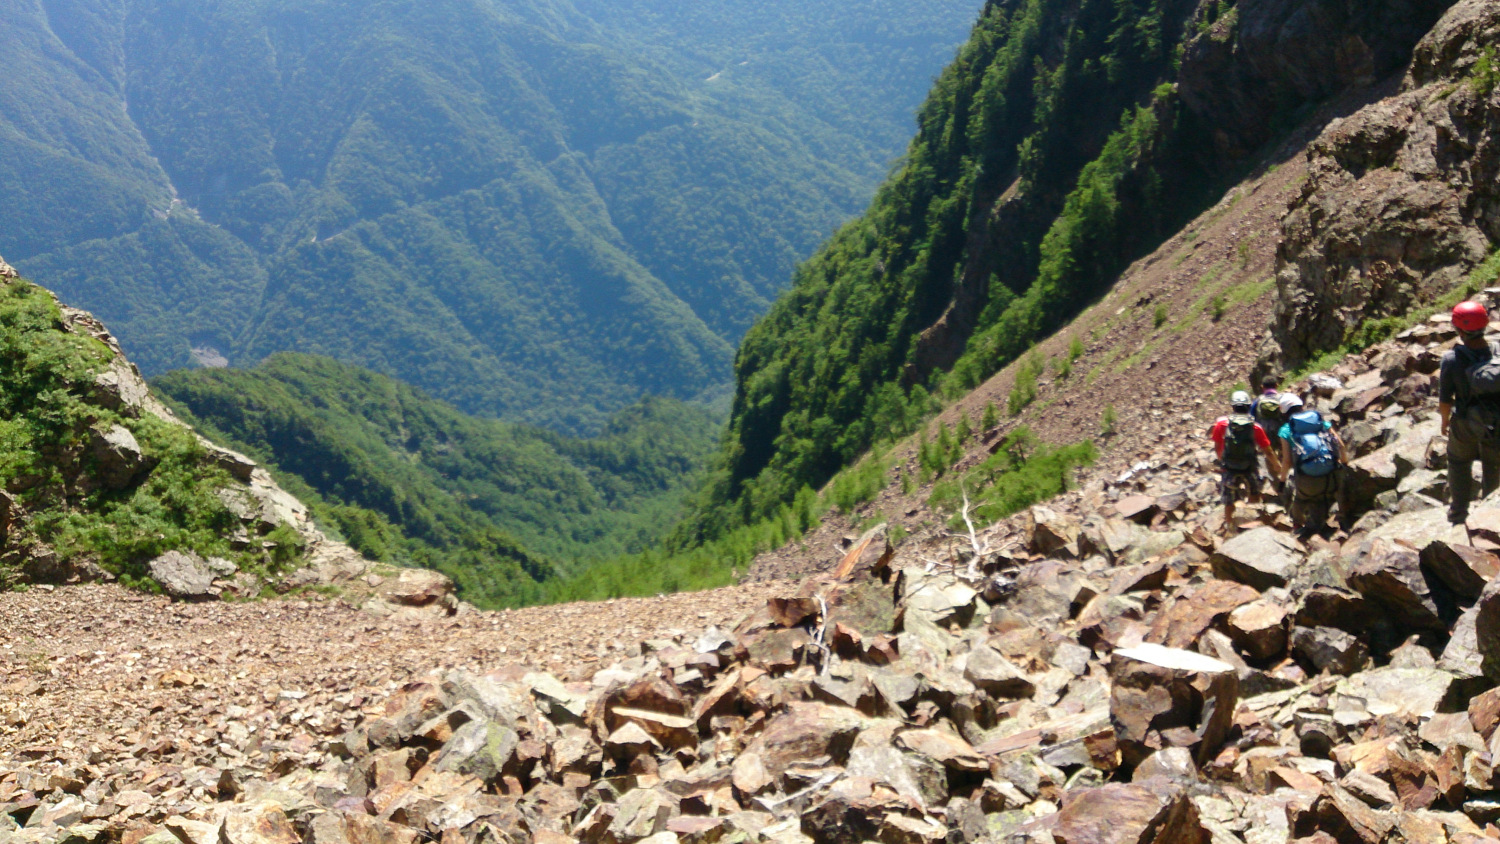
[535, 209]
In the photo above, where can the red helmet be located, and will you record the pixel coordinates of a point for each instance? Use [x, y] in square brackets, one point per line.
[1470, 317]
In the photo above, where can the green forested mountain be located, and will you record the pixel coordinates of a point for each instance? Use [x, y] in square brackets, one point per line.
[534, 209]
[407, 478]
[1067, 138]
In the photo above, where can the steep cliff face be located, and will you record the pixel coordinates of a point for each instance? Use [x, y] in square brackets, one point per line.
[1068, 139]
[1243, 77]
[1402, 198]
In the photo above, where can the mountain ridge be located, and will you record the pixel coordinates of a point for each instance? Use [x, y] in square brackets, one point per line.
[323, 168]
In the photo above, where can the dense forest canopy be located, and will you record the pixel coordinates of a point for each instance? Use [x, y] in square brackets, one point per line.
[535, 209]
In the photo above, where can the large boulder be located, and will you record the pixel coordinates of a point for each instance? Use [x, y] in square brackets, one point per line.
[1121, 813]
[1383, 224]
[1390, 576]
[1054, 533]
[184, 576]
[1262, 558]
[119, 459]
[1487, 629]
[1164, 697]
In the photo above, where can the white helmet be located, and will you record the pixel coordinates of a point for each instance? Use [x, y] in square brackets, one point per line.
[1289, 403]
[1239, 399]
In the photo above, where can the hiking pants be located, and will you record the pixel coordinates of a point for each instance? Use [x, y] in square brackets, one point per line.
[1232, 479]
[1312, 499]
[1468, 441]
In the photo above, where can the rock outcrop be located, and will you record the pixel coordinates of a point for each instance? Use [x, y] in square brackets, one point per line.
[1403, 197]
[111, 459]
[1268, 55]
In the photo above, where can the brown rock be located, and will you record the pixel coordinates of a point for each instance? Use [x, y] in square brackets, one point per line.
[1137, 508]
[867, 607]
[1462, 568]
[1261, 558]
[790, 612]
[262, 824]
[1259, 629]
[1053, 533]
[352, 828]
[1127, 814]
[1487, 629]
[1329, 649]
[807, 731]
[777, 650]
[945, 748]
[1197, 609]
[1390, 576]
[671, 731]
[1484, 528]
[1164, 697]
[986, 668]
[1484, 713]
[1346, 818]
[418, 588]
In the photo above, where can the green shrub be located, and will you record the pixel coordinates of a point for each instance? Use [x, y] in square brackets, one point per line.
[1075, 350]
[965, 429]
[991, 417]
[1022, 472]
[1485, 74]
[1024, 391]
[172, 504]
[1220, 307]
[1108, 421]
[859, 484]
[1160, 317]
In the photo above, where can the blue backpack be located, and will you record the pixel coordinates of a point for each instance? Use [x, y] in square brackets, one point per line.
[1312, 446]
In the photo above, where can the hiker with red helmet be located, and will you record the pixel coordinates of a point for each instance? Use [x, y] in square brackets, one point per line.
[1469, 404]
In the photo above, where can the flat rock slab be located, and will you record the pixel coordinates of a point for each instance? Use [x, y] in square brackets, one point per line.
[1391, 691]
[1262, 558]
[1127, 814]
[1422, 528]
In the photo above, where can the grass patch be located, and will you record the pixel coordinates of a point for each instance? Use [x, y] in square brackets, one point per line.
[1378, 330]
[1140, 355]
[1244, 294]
[1024, 391]
[1021, 473]
[1104, 365]
[1485, 74]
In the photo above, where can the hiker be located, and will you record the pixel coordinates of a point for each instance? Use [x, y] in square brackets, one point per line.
[1238, 439]
[1469, 404]
[1268, 405]
[1268, 415]
[1311, 454]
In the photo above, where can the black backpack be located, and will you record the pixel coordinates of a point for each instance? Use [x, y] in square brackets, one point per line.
[1239, 444]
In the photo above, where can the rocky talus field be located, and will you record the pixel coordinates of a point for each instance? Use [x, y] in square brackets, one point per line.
[1115, 666]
